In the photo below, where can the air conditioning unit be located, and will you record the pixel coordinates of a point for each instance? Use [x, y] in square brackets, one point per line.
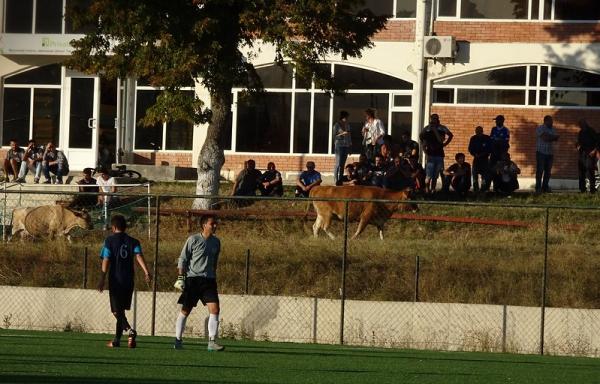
[440, 47]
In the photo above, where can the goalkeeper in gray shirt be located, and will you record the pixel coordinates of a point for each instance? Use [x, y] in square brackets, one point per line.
[197, 279]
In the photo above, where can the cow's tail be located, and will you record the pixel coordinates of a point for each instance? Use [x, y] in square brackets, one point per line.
[307, 209]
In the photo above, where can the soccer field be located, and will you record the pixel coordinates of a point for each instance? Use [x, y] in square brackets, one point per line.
[58, 357]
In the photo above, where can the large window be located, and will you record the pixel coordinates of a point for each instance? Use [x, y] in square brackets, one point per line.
[520, 9]
[175, 136]
[292, 116]
[31, 106]
[392, 8]
[41, 16]
[531, 85]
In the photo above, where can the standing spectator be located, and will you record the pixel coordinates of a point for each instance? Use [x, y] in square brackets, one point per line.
[500, 137]
[271, 183]
[106, 184]
[117, 256]
[505, 175]
[408, 147]
[56, 162]
[587, 146]
[307, 180]
[458, 176]
[434, 137]
[373, 132]
[247, 181]
[342, 144]
[197, 278]
[32, 159]
[13, 160]
[480, 148]
[544, 155]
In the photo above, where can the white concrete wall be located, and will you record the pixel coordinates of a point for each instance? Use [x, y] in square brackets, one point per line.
[443, 326]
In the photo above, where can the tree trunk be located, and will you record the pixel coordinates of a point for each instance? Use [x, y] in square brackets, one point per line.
[211, 157]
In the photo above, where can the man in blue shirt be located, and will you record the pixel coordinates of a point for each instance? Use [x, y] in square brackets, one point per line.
[117, 256]
[307, 180]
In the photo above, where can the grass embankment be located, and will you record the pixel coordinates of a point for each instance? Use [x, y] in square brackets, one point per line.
[468, 263]
[42, 357]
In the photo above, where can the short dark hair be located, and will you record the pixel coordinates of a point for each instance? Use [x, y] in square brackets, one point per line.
[204, 219]
[459, 155]
[344, 114]
[118, 221]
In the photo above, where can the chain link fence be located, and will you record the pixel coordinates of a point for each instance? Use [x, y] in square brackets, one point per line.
[452, 276]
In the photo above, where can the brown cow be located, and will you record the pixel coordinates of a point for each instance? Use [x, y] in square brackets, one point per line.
[376, 213]
[48, 220]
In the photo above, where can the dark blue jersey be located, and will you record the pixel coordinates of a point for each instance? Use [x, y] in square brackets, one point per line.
[120, 249]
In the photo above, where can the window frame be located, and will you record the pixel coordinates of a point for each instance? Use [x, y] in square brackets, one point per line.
[33, 20]
[313, 91]
[538, 88]
[540, 18]
[164, 124]
[32, 88]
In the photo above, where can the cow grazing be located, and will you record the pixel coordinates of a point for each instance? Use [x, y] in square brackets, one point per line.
[48, 220]
[375, 213]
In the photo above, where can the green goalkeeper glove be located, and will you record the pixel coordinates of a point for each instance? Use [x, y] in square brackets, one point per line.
[180, 283]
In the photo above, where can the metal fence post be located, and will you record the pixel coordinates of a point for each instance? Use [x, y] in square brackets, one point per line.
[504, 327]
[544, 280]
[247, 277]
[417, 272]
[85, 264]
[155, 271]
[343, 287]
[4, 237]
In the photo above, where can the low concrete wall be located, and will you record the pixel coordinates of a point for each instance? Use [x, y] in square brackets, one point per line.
[442, 326]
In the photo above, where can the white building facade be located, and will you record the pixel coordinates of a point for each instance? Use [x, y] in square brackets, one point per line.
[520, 58]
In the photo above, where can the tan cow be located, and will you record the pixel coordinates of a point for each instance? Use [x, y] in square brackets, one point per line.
[376, 213]
[48, 220]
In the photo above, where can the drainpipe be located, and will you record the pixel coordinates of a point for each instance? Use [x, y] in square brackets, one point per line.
[420, 101]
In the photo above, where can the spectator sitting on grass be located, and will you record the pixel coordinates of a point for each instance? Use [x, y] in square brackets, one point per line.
[505, 175]
[307, 180]
[246, 183]
[361, 170]
[377, 174]
[270, 182]
[398, 175]
[458, 176]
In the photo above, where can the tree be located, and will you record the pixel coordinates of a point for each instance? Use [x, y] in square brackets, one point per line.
[172, 43]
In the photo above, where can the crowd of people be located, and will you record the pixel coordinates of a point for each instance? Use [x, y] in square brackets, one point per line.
[19, 161]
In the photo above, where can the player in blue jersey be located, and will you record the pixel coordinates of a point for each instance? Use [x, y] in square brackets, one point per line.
[197, 268]
[117, 256]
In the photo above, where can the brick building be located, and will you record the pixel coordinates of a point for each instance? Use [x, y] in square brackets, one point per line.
[520, 58]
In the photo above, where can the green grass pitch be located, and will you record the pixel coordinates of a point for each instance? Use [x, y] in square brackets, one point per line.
[58, 357]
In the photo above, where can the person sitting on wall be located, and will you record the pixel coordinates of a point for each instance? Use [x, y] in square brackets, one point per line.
[377, 174]
[32, 160]
[361, 170]
[398, 175]
[86, 184]
[349, 175]
[246, 183]
[13, 160]
[107, 184]
[408, 147]
[307, 180]
[417, 173]
[56, 162]
[271, 183]
[505, 175]
[458, 176]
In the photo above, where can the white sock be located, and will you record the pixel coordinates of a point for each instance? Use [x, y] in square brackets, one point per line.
[213, 326]
[180, 325]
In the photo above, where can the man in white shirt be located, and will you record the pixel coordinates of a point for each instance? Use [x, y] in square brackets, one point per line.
[107, 184]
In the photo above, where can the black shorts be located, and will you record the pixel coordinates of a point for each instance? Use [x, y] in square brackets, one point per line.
[120, 299]
[198, 288]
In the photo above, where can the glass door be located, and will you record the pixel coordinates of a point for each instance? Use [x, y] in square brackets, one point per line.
[82, 122]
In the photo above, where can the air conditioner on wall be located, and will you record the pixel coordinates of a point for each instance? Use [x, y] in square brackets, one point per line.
[440, 47]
